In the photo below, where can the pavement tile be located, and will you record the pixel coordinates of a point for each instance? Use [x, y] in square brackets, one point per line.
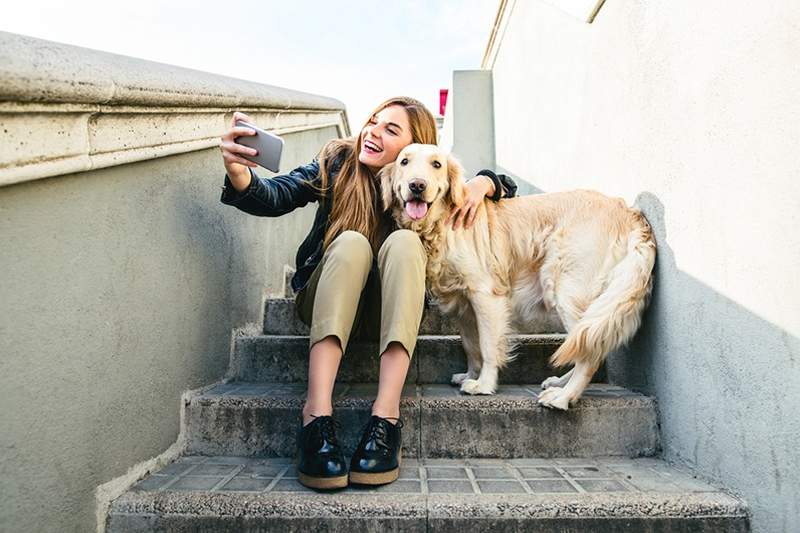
[441, 472]
[152, 482]
[175, 469]
[450, 487]
[263, 470]
[551, 485]
[539, 472]
[587, 472]
[399, 486]
[290, 485]
[213, 470]
[195, 483]
[602, 485]
[226, 460]
[409, 472]
[501, 487]
[492, 472]
[242, 483]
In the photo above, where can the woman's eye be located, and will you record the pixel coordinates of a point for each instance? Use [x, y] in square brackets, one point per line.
[392, 132]
[404, 162]
[436, 164]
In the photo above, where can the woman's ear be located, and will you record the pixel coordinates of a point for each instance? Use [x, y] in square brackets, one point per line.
[455, 178]
[386, 177]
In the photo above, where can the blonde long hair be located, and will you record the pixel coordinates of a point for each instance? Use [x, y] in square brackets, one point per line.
[354, 190]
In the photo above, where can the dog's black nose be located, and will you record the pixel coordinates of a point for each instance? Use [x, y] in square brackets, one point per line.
[417, 186]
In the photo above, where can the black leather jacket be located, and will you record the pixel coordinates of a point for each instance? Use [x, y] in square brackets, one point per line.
[272, 197]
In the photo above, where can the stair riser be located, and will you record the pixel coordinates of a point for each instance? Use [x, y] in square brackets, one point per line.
[435, 360]
[280, 318]
[433, 431]
[122, 523]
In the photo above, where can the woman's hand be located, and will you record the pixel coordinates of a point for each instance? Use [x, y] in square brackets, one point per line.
[477, 189]
[235, 165]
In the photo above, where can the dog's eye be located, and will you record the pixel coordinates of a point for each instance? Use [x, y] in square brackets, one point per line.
[436, 164]
[404, 162]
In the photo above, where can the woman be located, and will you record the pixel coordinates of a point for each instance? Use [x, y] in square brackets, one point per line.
[356, 273]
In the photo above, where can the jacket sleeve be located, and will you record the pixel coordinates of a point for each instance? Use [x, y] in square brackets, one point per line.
[272, 197]
[504, 187]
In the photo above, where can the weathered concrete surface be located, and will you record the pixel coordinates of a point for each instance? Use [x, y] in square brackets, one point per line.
[120, 290]
[259, 419]
[436, 358]
[280, 318]
[296, 513]
[691, 109]
[543, 495]
[36, 70]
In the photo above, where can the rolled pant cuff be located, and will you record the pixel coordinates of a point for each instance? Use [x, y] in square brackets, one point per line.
[328, 328]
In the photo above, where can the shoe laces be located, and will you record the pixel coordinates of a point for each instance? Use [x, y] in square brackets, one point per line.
[377, 431]
[326, 429]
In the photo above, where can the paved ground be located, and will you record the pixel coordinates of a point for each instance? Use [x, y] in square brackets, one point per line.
[432, 476]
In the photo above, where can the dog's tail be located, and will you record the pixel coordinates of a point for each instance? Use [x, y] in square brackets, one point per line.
[614, 316]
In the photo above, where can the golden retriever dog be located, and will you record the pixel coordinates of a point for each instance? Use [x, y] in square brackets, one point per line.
[580, 254]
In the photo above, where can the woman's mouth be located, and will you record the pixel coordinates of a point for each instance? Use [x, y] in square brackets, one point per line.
[371, 148]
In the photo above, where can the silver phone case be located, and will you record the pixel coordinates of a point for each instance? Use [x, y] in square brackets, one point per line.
[269, 147]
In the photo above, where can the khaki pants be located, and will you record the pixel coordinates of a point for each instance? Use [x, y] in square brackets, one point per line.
[348, 294]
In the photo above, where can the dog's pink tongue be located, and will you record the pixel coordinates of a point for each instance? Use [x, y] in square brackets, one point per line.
[416, 209]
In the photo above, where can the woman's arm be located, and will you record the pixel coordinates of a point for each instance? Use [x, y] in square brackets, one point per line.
[485, 184]
[272, 197]
[260, 196]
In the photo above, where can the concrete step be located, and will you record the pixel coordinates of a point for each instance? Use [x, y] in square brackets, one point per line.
[261, 419]
[284, 358]
[280, 318]
[234, 494]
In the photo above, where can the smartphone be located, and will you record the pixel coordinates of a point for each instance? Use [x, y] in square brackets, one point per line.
[269, 147]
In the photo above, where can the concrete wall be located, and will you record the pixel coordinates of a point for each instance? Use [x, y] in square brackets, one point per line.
[121, 286]
[692, 109]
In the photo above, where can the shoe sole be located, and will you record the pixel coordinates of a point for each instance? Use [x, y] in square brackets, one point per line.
[338, 482]
[377, 478]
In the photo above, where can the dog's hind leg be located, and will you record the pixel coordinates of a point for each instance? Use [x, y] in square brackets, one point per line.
[560, 397]
[469, 341]
[492, 317]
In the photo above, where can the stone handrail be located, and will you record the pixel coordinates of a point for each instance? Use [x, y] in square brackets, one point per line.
[66, 109]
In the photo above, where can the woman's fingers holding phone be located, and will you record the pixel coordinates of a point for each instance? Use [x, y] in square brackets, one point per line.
[238, 115]
[228, 158]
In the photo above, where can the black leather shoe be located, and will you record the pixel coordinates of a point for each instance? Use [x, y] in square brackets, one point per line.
[321, 464]
[377, 459]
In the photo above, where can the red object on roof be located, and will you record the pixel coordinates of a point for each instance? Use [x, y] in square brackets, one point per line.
[442, 101]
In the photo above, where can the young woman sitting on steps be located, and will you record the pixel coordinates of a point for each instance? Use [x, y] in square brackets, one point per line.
[357, 276]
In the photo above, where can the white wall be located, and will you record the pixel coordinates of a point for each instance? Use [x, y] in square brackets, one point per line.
[693, 108]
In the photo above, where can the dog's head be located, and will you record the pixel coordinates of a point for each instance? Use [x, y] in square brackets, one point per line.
[422, 185]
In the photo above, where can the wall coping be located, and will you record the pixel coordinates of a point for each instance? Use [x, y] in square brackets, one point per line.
[66, 109]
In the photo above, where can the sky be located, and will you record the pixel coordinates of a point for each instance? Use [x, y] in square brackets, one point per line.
[360, 52]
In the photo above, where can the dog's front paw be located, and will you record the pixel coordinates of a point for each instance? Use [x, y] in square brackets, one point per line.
[476, 386]
[458, 379]
[554, 397]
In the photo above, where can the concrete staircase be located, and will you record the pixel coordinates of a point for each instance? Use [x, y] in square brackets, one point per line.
[483, 463]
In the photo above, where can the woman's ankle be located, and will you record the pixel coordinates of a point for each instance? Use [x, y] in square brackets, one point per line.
[310, 413]
[391, 414]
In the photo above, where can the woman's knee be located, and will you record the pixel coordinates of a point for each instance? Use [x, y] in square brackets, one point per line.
[352, 247]
[402, 241]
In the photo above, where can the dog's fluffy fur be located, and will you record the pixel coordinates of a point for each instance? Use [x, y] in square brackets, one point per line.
[580, 254]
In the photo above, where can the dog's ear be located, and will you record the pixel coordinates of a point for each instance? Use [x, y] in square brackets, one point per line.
[455, 178]
[386, 178]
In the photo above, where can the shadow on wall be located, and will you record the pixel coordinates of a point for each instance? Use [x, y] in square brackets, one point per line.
[719, 373]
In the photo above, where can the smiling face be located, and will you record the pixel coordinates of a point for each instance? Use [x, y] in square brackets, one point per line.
[385, 134]
[423, 184]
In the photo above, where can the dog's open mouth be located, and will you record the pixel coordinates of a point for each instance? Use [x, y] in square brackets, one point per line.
[416, 209]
